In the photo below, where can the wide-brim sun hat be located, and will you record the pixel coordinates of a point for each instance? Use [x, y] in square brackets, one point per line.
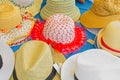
[34, 61]
[16, 28]
[93, 64]
[6, 61]
[30, 6]
[108, 38]
[67, 7]
[101, 13]
[61, 33]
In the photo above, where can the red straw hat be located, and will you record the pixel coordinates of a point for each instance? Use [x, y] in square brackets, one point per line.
[60, 32]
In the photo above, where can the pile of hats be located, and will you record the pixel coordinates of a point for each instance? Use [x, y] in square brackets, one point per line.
[60, 6]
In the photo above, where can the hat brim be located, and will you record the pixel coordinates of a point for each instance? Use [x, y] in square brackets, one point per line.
[8, 61]
[68, 68]
[91, 20]
[77, 43]
[99, 36]
[33, 8]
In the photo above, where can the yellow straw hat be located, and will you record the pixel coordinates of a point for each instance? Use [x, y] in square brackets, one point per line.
[14, 25]
[31, 6]
[34, 61]
[101, 13]
[109, 39]
[60, 6]
[9, 16]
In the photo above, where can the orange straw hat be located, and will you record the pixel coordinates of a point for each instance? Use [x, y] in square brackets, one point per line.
[67, 7]
[101, 13]
[30, 6]
[61, 33]
[13, 25]
[35, 60]
[109, 39]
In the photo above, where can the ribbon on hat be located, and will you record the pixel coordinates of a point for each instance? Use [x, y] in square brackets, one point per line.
[1, 62]
[50, 77]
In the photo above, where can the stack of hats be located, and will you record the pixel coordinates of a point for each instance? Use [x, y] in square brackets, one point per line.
[13, 25]
[34, 61]
[101, 13]
[61, 33]
[31, 6]
[109, 39]
[60, 6]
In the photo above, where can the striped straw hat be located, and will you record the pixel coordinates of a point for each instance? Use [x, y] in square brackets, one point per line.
[60, 6]
[31, 6]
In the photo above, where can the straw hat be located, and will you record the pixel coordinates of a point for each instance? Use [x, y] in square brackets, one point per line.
[34, 62]
[101, 13]
[61, 33]
[31, 6]
[94, 64]
[6, 61]
[60, 6]
[109, 39]
[14, 27]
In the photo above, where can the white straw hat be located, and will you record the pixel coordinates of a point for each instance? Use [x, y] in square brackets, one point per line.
[6, 61]
[94, 64]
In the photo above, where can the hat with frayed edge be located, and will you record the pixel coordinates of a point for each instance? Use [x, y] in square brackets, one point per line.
[101, 13]
[109, 39]
[93, 64]
[30, 6]
[6, 61]
[14, 26]
[34, 61]
[67, 7]
[61, 33]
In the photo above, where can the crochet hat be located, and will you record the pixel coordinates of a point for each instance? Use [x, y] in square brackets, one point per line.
[109, 39]
[34, 61]
[101, 13]
[6, 61]
[60, 6]
[60, 32]
[13, 25]
[30, 6]
[94, 64]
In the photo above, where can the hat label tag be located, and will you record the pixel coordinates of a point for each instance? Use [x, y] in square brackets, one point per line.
[57, 67]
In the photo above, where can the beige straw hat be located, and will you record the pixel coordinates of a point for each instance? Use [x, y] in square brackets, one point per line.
[31, 6]
[60, 6]
[109, 38]
[34, 61]
[13, 24]
[101, 13]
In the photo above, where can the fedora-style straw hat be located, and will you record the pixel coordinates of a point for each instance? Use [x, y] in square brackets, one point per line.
[34, 61]
[109, 39]
[101, 13]
[6, 61]
[67, 7]
[61, 33]
[30, 6]
[93, 64]
[13, 24]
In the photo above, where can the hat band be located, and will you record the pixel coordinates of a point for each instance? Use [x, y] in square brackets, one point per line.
[50, 77]
[75, 77]
[108, 47]
[1, 62]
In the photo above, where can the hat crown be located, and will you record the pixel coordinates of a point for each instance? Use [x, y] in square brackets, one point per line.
[106, 7]
[6, 8]
[24, 3]
[110, 35]
[59, 28]
[33, 61]
[97, 64]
